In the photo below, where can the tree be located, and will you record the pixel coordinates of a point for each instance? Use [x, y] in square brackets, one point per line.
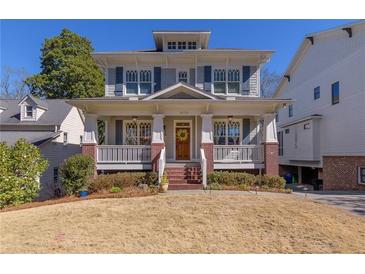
[12, 82]
[67, 69]
[20, 168]
[269, 82]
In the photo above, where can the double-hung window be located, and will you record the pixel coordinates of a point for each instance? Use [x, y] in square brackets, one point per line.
[183, 76]
[335, 93]
[234, 81]
[131, 82]
[145, 82]
[227, 132]
[219, 81]
[28, 111]
[317, 93]
[137, 133]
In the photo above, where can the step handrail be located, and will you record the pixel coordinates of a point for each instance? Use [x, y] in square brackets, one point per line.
[161, 164]
[203, 166]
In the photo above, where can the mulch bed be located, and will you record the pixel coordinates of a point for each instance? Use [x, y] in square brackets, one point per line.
[127, 192]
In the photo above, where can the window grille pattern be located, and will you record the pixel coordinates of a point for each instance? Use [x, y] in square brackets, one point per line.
[131, 82]
[219, 81]
[145, 79]
[145, 133]
[219, 133]
[183, 76]
[233, 81]
[233, 132]
[138, 133]
[131, 132]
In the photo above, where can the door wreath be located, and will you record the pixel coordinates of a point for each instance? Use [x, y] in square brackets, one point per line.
[182, 135]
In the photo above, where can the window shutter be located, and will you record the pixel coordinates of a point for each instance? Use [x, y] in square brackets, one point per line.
[246, 79]
[207, 77]
[118, 132]
[111, 76]
[157, 78]
[246, 131]
[119, 75]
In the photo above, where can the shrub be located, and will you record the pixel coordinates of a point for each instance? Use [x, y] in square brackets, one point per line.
[231, 178]
[271, 181]
[123, 179]
[244, 187]
[115, 189]
[245, 178]
[164, 179]
[76, 172]
[20, 168]
[215, 186]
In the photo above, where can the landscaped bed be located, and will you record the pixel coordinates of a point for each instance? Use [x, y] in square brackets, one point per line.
[180, 223]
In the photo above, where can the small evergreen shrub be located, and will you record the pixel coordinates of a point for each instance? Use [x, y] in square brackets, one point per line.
[244, 187]
[115, 189]
[272, 181]
[215, 186]
[76, 172]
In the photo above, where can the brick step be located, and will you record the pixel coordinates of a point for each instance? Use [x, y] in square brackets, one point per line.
[184, 181]
[184, 177]
[185, 186]
[183, 173]
[183, 169]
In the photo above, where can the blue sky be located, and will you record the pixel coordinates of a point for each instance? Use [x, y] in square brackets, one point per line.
[21, 39]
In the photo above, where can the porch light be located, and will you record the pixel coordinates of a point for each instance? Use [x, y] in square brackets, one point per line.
[134, 118]
[230, 117]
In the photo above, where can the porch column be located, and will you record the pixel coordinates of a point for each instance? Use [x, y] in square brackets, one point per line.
[157, 143]
[90, 139]
[271, 146]
[207, 140]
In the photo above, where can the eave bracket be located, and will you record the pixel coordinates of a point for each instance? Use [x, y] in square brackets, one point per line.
[310, 38]
[287, 77]
[349, 31]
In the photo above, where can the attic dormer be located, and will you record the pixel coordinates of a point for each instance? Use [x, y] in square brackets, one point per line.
[181, 40]
[31, 108]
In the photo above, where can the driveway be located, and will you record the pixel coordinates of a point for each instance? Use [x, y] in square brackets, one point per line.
[353, 201]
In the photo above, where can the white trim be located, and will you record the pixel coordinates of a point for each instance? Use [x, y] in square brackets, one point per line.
[238, 165]
[227, 67]
[138, 133]
[226, 120]
[138, 69]
[190, 143]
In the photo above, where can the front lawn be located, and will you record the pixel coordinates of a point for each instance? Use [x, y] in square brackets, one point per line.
[216, 223]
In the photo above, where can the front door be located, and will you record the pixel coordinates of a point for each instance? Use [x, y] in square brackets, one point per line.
[182, 136]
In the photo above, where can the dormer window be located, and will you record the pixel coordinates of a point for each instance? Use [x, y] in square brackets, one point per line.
[191, 45]
[28, 111]
[181, 45]
[171, 45]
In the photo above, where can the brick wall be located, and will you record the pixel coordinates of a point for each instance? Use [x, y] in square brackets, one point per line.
[155, 154]
[90, 149]
[208, 151]
[341, 172]
[271, 158]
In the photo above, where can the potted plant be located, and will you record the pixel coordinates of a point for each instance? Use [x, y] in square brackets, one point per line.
[83, 192]
[164, 182]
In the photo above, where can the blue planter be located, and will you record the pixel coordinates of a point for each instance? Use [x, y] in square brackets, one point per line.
[84, 193]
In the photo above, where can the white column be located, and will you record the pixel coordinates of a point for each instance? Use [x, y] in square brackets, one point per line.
[91, 129]
[157, 129]
[207, 128]
[258, 131]
[270, 134]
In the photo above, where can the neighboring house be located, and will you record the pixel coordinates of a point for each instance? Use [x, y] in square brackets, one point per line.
[322, 134]
[183, 108]
[52, 125]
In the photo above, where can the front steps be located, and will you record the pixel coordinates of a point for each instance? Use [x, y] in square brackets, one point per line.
[184, 176]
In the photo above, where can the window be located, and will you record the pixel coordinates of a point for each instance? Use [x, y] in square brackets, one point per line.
[183, 76]
[191, 45]
[28, 111]
[335, 93]
[234, 81]
[281, 143]
[65, 138]
[81, 138]
[287, 131]
[137, 133]
[171, 45]
[181, 45]
[361, 175]
[131, 82]
[219, 81]
[290, 110]
[317, 93]
[55, 175]
[145, 84]
[227, 132]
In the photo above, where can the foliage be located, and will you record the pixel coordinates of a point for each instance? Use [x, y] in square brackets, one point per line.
[76, 172]
[164, 179]
[20, 168]
[115, 189]
[67, 69]
[245, 180]
[122, 179]
[269, 82]
[215, 186]
[12, 84]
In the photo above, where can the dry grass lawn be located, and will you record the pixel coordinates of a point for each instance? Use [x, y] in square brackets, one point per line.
[217, 223]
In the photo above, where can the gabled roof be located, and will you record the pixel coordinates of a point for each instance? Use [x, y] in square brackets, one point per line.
[57, 111]
[40, 103]
[307, 41]
[45, 138]
[181, 91]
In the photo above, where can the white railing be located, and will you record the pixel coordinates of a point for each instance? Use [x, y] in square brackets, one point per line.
[203, 166]
[240, 153]
[123, 154]
[161, 164]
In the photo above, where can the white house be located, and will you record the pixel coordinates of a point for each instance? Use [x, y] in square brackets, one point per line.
[53, 125]
[322, 133]
[184, 108]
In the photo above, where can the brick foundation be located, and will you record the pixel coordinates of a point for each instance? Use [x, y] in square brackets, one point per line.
[341, 172]
[271, 158]
[155, 154]
[90, 150]
[208, 151]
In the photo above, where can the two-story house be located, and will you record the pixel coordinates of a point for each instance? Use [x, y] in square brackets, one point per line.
[184, 108]
[322, 134]
[51, 124]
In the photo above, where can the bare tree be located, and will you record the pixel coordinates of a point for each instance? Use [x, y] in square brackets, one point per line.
[269, 82]
[12, 82]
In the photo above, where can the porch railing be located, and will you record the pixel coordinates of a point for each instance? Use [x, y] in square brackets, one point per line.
[161, 164]
[123, 154]
[203, 166]
[240, 153]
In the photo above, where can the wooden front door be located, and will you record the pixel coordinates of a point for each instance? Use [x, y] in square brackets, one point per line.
[182, 136]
